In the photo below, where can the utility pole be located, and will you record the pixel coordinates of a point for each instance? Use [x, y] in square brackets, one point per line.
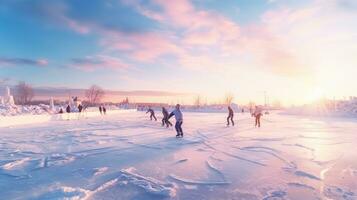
[265, 99]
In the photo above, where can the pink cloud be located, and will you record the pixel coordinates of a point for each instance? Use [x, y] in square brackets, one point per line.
[202, 29]
[208, 38]
[143, 47]
[42, 62]
[75, 25]
[57, 12]
[91, 63]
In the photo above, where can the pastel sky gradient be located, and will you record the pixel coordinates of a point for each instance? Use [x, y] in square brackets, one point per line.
[296, 51]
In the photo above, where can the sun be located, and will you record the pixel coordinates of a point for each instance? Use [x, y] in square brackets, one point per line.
[315, 95]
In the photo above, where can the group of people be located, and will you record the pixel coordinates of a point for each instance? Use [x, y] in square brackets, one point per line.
[166, 118]
[68, 109]
[102, 110]
[179, 117]
[256, 114]
[80, 108]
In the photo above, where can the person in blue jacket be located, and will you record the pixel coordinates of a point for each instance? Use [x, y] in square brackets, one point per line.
[179, 120]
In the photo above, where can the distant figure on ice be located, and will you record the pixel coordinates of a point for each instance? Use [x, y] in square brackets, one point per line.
[104, 110]
[242, 110]
[230, 116]
[60, 111]
[257, 114]
[165, 119]
[68, 109]
[80, 108]
[152, 113]
[100, 110]
[179, 120]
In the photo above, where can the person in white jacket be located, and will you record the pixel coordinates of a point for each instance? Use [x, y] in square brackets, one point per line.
[179, 120]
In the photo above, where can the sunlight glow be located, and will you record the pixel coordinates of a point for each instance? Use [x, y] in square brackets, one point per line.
[315, 95]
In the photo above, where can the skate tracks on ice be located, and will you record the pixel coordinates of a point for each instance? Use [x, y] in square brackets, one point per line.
[126, 156]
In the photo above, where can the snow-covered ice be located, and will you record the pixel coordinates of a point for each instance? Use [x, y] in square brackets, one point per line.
[126, 156]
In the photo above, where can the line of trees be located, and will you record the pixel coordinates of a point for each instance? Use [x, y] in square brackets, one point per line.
[228, 99]
[24, 94]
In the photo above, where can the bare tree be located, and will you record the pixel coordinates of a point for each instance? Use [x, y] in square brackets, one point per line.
[24, 93]
[228, 98]
[94, 94]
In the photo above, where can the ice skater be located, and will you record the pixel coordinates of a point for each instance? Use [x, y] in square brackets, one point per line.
[179, 120]
[101, 110]
[257, 114]
[152, 113]
[165, 119]
[230, 116]
[104, 110]
[68, 109]
[80, 108]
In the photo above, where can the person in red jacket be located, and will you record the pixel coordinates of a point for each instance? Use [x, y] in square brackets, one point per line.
[257, 114]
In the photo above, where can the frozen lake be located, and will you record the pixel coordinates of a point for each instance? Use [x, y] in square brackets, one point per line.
[126, 156]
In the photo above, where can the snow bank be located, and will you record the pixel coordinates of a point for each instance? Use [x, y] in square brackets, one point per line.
[13, 110]
[16, 120]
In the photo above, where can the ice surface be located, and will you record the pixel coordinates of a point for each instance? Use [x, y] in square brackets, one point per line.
[126, 156]
[149, 184]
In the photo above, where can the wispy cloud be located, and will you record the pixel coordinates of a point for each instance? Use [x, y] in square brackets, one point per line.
[5, 61]
[91, 63]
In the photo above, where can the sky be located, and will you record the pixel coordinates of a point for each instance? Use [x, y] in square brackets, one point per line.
[294, 51]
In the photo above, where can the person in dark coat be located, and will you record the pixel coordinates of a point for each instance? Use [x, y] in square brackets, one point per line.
[152, 114]
[179, 120]
[80, 107]
[60, 111]
[100, 110]
[68, 109]
[165, 119]
[104, 110]
[230, 116]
